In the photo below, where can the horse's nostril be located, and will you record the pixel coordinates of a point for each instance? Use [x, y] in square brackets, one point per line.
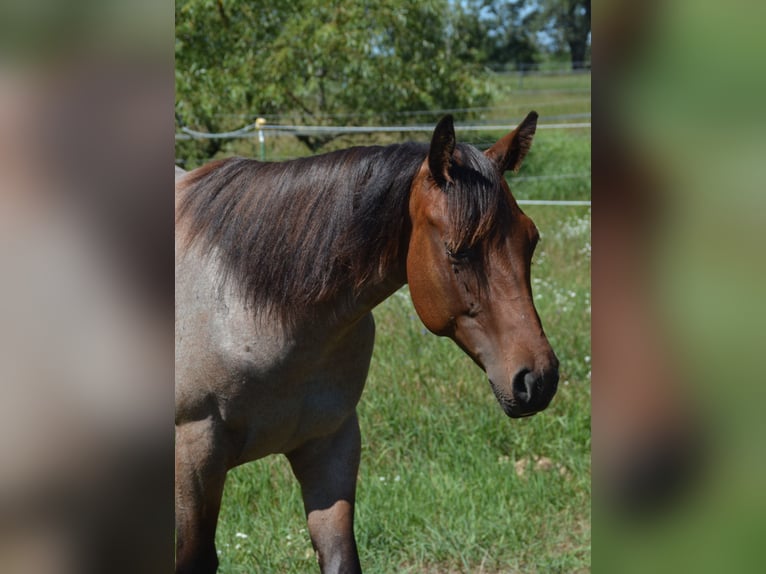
[523, 386]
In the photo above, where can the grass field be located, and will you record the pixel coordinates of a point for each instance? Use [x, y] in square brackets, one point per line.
[447, 482]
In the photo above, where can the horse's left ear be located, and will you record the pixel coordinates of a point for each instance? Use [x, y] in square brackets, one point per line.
[442, 146]
[509, 151]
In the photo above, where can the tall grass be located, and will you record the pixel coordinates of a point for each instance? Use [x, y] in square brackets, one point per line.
[447, 482]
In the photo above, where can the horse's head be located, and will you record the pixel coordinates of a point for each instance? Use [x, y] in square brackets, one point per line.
[468, 264]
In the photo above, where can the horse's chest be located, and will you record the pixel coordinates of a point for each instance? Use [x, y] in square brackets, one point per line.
[324, 405]
[268, 387]
[292, 393]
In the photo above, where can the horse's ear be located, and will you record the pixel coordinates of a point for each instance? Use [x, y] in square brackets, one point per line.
[442, 146]
[509, 151]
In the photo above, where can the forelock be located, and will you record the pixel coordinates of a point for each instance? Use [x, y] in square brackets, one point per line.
[477, 203]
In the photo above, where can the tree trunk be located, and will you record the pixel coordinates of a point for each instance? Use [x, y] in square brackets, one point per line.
[577, 50]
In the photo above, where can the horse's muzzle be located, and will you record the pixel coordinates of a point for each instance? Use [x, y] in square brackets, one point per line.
[530, 392]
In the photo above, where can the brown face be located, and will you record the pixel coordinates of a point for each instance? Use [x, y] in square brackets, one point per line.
[481, 297]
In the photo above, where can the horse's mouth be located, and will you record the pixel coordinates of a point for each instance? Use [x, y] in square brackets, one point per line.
[511, 406]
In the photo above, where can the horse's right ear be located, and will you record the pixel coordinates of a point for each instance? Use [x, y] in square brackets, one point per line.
[509, 151]
[442, 146]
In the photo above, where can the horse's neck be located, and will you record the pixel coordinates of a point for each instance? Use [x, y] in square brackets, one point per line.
[372, 296]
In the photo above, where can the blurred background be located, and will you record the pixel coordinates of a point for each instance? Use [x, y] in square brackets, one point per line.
[86, 303]
[678, 278]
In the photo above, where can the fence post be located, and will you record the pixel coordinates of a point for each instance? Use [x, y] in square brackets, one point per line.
[261, 138]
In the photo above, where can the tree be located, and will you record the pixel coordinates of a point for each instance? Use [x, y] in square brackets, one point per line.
[318, 61]
[501, 32]
[522, 33]
[568, 23]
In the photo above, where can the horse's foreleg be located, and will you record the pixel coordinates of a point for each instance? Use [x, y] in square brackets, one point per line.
[200, 474]
[326, 469]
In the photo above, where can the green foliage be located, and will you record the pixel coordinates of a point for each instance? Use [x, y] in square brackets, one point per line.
[317, 62]
[352, 62]
[503, 33]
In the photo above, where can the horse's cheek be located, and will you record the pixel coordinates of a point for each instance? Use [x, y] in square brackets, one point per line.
[429, 298]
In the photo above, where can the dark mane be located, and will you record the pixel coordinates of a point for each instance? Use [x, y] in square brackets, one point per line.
[479, 208]
[293, 234]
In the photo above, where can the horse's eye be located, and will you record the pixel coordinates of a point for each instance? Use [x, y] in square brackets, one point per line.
[462, 254]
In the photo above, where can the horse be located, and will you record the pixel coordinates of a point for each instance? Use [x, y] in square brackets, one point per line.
[278, 268]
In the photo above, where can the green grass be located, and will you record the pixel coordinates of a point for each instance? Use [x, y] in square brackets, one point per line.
[447, 482]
